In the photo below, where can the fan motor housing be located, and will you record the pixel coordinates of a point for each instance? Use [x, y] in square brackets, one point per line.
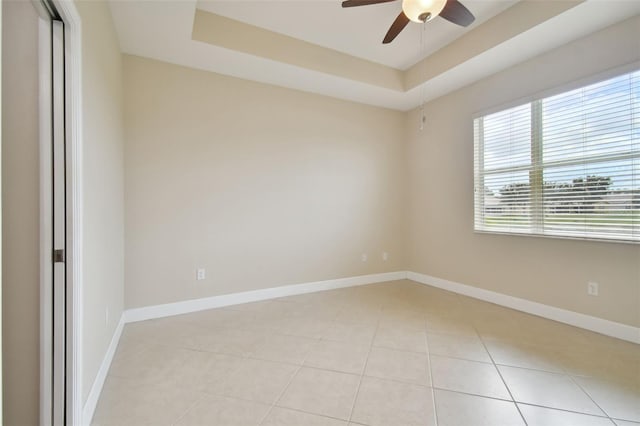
[424, 17]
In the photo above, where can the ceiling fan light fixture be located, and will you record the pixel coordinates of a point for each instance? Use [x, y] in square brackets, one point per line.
[422, 10]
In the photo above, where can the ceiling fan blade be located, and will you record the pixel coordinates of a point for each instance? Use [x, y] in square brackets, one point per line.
[397, 26]
[455, 12]
[352, 3]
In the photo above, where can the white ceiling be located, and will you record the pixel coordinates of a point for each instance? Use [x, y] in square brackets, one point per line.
[162, 30]
[357, 31]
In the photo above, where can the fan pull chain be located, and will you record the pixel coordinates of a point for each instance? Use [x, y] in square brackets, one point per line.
[423, 117]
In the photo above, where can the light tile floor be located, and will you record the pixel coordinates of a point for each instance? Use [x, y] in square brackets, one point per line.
[395, 354]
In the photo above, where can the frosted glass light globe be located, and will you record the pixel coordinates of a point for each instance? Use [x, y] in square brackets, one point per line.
[422, 10]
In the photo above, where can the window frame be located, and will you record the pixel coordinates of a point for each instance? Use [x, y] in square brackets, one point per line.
[537, 165]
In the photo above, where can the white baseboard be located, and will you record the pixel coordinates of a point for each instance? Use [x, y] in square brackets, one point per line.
[599, 325]
[98, 383]
[187, 306]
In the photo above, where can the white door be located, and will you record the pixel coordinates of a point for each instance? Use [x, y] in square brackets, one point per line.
[59, 226]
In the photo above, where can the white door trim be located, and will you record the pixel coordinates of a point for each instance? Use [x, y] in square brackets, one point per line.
[46, 231]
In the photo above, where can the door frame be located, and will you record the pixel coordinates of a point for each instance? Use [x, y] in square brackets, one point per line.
[74, 202]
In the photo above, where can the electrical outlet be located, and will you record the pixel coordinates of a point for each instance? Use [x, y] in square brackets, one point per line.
[385, 256]
[364, 257]
[200, 274]
[592, 288]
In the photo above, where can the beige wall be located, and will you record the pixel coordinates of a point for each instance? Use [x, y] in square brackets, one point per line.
[262, 186]
[20, 215]
[103, 192]
[550, 271]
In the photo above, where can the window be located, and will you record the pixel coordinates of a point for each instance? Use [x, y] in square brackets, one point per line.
[566, 165]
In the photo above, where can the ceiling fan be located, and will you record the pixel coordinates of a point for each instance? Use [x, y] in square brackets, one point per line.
[420, 11]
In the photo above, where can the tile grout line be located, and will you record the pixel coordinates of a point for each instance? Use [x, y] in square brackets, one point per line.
[484, 345]
[493, 398]
[293, 376]
[284, 389]
[564, 410]
[204, 395]
[364, 368]
[433, 391]
[574, 381]
[297, 410]
[462, 359]
[558, 373]
[389, 379]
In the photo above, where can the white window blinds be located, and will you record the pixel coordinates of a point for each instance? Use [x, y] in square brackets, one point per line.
[567, 165]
